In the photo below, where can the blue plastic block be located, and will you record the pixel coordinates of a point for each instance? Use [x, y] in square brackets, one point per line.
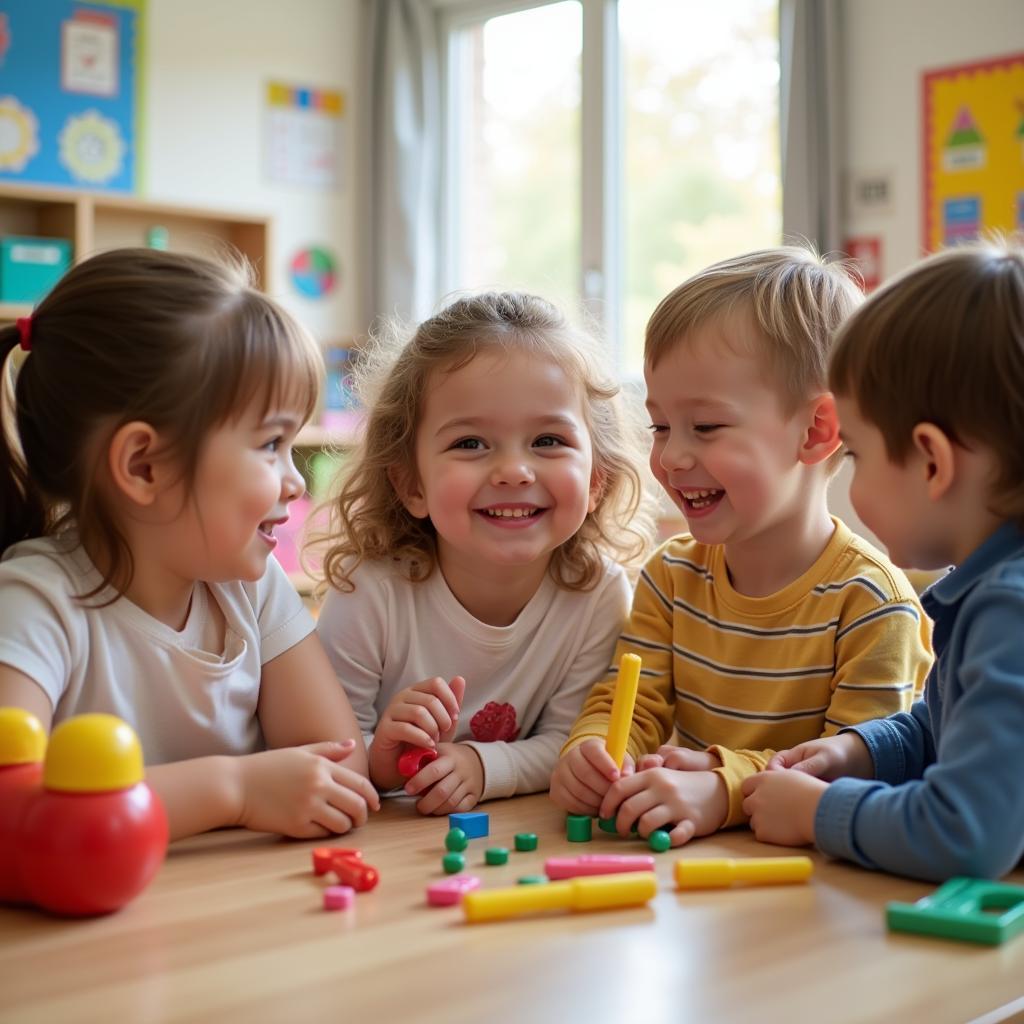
[474, 824]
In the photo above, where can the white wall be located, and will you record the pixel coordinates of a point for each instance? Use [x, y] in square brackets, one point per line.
[887, 44]
[208, 63]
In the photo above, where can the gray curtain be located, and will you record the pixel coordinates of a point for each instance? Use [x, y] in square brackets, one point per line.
[811, 119]
[402, 171]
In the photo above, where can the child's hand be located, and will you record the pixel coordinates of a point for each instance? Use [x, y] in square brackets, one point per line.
[422, 715]
[581, 778]
[828, 759]
[680, 758]
[781, 806]
[303, 791]
[684, 803]
[452, 782]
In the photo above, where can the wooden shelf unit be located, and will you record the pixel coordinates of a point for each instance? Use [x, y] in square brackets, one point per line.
[94, 222]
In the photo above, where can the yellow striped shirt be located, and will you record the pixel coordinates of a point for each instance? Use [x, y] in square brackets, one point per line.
[746, 676]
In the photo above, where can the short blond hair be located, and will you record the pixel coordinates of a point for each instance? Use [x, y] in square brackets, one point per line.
[797, 301]
[943, 343]
[369, 520]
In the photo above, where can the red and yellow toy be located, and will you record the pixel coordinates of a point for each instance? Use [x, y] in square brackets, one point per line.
[90, 834]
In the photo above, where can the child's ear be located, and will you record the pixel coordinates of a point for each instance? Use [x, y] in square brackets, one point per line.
[134, 469]
[935, 450]
[822, 437]
[409, 490]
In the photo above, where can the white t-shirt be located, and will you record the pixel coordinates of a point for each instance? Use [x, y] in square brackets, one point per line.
[187, 694]
[389, 633]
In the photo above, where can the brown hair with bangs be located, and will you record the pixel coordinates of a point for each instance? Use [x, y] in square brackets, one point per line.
[368, 519]
[182, 343]
[943, 343]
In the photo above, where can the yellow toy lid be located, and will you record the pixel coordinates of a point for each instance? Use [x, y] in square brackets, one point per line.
[22, 738]
[93, 753]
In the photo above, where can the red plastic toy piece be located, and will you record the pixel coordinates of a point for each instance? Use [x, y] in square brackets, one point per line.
[412, 759]
[323, 857]
[352, 871]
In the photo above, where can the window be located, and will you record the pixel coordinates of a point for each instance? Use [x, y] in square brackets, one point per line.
[601, 151]
[513, 152]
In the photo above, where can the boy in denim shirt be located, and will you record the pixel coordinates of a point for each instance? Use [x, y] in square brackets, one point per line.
[929, 377]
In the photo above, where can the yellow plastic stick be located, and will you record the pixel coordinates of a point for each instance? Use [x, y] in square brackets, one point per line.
[596, 892]
[622, 707]
[721, 873]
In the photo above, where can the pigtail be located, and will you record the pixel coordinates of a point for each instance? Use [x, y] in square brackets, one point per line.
[23, 512]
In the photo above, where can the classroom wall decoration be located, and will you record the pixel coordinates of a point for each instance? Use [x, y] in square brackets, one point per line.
[314, 271]
[303, 135]
[973, 150]
[69, 92]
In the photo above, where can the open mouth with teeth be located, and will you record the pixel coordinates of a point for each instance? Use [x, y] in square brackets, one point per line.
[701, 500]
[511, 515]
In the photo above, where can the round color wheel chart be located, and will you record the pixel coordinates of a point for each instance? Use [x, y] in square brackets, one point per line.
[314, 272]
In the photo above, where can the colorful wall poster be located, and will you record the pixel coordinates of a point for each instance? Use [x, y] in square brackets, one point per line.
[69, 92]
[973, 152]
[303, 135]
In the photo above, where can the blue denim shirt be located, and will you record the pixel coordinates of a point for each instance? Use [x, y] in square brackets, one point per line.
[948, 795]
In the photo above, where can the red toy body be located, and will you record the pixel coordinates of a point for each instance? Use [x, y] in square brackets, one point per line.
[90, 853]
[19, 783]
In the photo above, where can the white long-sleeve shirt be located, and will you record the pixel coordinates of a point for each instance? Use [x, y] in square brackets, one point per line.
[389, 634]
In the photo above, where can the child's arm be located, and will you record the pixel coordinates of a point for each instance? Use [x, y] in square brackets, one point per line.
[300, 791]
[301, 702]
[881, 657]
[965, 814]
[648, 633]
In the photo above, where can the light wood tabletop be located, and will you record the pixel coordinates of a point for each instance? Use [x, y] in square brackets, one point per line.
[232, 930]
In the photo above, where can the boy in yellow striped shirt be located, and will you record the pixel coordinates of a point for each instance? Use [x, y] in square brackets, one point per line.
[769, 623]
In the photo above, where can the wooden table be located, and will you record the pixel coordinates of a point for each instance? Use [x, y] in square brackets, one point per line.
[232, 930]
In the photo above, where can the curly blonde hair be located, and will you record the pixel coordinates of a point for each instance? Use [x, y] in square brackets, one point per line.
[368, 520]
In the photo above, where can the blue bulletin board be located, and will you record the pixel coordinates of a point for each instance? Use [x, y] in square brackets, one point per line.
[70, 78]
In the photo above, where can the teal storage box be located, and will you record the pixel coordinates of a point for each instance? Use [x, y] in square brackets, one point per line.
[30, 267]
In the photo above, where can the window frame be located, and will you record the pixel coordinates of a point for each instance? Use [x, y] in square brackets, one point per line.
[598, 269]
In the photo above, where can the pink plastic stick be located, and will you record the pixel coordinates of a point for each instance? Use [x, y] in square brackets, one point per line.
[449, 891]
[595, 864]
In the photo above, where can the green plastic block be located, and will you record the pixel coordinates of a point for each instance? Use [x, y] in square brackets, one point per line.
[578, 828]
[526, 841]
[607, 825]
[453, 863]
[659, 840]
[456, 840]
[533, 879]
[963, 909]
[496, 855]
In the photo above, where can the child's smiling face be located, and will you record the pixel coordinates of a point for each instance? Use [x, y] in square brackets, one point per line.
[504, 461]
[245, 480]
[723, 447]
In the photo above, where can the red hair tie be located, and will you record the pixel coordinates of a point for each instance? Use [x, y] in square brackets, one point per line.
[24, 325]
